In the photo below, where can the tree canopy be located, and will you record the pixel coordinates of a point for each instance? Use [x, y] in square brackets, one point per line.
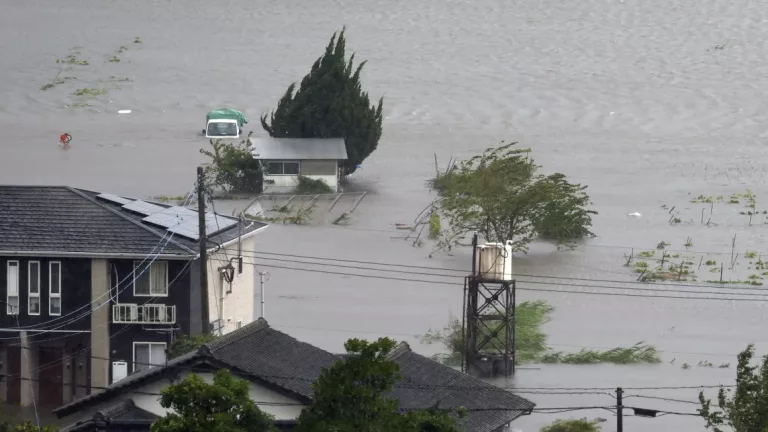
[501, 195]
[330, 103]
[746, 409]
[348, 396]
[223, 406]
[580, 425]
[232, 167]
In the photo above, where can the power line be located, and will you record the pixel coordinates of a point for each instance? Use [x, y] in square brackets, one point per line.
[255, 254]
[764, 299]
[538, 282]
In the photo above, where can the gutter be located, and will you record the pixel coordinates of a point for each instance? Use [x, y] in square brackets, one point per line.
[233, 241]
[60, 254]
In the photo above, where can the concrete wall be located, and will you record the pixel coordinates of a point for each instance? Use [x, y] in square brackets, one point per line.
[100, 286]
[239, 303]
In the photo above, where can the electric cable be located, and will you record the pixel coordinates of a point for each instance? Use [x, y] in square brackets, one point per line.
[523, 288]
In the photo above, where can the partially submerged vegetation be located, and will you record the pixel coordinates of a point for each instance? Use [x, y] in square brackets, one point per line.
[73, 63]
[531, 341]
[501, 195]
[664, 265]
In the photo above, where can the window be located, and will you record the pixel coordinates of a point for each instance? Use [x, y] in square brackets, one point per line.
[147, 355]
[152, 282]
[283, 168]
[12, 300]
[33, 284]
[54, 288]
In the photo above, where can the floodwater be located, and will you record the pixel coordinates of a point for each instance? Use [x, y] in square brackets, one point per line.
[648, 102]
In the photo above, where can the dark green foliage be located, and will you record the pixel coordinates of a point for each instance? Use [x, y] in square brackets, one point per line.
[581, 425]
[746, 410]
[27, 426]
[223, 406]
[330, 103]
[500, 195]
[186, 344]
[312, 186]
[348, 396]
[233, 167]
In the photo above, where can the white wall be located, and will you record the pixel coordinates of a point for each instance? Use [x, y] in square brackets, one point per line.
[237, 305]
[151, 402]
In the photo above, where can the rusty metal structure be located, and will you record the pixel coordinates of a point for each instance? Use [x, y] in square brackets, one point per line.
[488, 323]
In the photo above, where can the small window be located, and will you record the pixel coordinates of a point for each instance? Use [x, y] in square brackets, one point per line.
[12, 293]
[33, 285]
[152, 282]
[147, 355]
[283, 168]
[54, 288]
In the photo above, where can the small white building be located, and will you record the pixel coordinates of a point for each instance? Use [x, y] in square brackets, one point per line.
[285, 159]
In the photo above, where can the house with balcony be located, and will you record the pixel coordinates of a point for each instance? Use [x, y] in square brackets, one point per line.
[94, 287]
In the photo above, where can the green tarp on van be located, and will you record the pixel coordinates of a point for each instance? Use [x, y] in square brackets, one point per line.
[228, 114]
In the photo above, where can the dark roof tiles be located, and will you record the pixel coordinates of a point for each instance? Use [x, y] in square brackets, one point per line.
[60, 219]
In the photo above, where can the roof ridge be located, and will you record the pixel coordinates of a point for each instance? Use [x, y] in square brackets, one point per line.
[234, 336]
[400, 349]
[131, 220]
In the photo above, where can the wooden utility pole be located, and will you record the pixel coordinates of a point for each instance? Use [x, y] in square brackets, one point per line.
[203, 251]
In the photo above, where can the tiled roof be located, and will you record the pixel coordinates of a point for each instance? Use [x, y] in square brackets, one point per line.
[123, 411]
[273, 357]
[63, 220]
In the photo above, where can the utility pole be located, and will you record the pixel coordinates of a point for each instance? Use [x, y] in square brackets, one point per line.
[203, 251]
[619, 411]
[261, 284]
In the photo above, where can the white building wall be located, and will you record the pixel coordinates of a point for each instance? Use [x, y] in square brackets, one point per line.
[258, 394]
[239, 304]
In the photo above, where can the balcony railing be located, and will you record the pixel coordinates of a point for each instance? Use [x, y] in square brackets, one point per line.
[143, 314]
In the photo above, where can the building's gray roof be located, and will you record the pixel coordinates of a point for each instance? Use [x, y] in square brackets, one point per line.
[124, 411]
[61, 219]
[299, 148]
[281, 361]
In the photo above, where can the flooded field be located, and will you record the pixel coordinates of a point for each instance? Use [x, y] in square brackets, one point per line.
[659, 106]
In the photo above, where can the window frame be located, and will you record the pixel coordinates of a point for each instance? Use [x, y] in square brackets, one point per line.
[8, 307]
[51, 294]
[149, 346]
[30, 294]
[282, 164]
[137, 265]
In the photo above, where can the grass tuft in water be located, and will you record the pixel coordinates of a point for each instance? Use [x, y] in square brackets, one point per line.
[639, 353]
[92, 92]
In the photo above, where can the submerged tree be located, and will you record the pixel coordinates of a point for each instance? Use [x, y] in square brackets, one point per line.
[349, 396]
[232, 166]
[501, 195]
[224, 406]
[330, 103]
[581, 425]
[746, 410]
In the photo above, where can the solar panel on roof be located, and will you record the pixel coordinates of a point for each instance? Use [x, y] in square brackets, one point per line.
[143, 207]
[190, 228]
[187, 229]
[114, 198]
[216, 223]
[171, 216]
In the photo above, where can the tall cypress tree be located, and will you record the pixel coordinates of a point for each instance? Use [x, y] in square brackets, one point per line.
[330, 103]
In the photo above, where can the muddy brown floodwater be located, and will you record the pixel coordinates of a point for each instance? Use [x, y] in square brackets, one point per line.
[649, 103]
